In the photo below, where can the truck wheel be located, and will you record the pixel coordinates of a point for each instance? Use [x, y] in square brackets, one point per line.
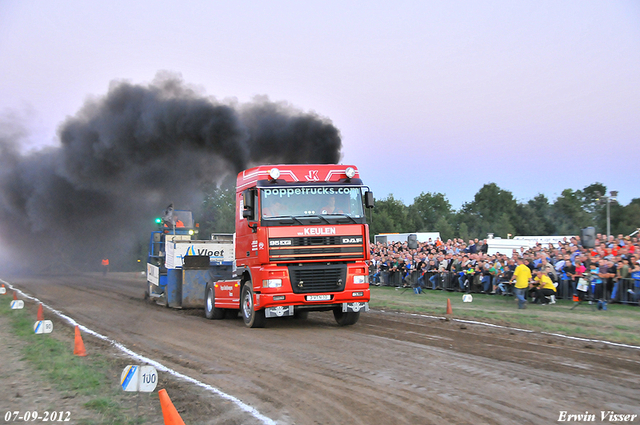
[345, 318]
[210, 309]
[252, 318]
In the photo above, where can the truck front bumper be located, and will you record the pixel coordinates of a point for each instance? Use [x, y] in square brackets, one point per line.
[289, 310]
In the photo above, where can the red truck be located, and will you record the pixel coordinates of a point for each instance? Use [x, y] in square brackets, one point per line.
[301, 245]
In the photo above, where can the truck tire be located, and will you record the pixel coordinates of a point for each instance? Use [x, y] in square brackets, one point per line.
[345, 318]
[210, 309]
[251, 317]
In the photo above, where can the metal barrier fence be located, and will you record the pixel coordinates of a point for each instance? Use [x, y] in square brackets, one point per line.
[626, 291]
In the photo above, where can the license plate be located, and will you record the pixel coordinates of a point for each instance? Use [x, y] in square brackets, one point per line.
[318, 297]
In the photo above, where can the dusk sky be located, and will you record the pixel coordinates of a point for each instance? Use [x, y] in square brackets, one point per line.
[429, 96]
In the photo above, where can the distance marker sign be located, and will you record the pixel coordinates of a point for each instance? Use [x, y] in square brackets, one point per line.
[43, 327]
[17, 304]
[139, 378]
[3, 290]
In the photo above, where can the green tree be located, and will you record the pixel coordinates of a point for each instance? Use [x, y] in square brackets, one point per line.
[569, 213]
[594, 203]
[503, 226]
[391, 216]
[463, 231]
[490, 207]
[430, 207]
[626, 220]
[535, 217]
[218, 209]
[445, 228]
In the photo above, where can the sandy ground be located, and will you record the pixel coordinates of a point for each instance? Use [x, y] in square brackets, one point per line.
[388, 368]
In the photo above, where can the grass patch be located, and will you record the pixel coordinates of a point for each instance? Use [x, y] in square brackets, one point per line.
[90, 376]
[619, 323]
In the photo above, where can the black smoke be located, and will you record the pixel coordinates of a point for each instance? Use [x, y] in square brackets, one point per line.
[125, 156]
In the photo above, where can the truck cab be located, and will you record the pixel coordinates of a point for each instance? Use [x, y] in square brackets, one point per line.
[302, 242]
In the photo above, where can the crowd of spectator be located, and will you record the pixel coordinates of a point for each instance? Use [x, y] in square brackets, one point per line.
[610, 272]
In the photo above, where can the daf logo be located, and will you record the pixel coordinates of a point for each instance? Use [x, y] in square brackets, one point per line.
[351, 240]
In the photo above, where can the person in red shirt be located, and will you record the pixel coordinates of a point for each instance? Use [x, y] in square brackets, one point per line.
[105, 266]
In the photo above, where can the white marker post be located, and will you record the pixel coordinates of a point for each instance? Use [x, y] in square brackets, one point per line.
[17, 304]
[43, 327]
[139, 378]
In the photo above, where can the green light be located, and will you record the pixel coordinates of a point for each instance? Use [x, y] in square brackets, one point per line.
[158, 220]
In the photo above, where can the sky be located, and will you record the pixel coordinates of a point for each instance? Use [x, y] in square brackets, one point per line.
[429, 96]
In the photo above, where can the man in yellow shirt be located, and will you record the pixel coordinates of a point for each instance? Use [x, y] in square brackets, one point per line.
[522, 276]
[544, 287]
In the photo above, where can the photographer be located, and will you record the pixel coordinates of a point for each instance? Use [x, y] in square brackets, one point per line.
[542, 287]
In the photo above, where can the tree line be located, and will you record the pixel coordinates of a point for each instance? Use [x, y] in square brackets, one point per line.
[492, 210]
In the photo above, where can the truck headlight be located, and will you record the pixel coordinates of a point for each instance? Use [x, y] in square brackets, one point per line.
[272, 283]
[360, 279]
[350, 172]
[274, 173]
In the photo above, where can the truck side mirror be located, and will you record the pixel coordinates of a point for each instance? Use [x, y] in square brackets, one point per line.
[248, 197]
[368, 199]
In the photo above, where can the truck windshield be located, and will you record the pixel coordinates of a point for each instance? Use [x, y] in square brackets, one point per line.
[311, 201]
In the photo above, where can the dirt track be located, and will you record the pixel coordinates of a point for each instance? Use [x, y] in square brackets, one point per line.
[388, 368]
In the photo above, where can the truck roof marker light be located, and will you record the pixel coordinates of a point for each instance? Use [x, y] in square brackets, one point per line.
[274, 173]
[350, 172]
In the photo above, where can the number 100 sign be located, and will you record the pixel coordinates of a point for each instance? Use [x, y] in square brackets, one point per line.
[139, 378]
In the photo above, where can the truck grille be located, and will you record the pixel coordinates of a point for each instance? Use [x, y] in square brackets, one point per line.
[314, 278]
[316, 248]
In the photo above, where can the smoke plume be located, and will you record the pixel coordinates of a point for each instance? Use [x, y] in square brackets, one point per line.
[125, 156]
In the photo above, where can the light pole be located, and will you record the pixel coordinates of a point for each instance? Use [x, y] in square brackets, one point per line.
[609, 199]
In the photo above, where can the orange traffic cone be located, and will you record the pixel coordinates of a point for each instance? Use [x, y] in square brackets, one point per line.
[2, 286]
[40, 313]
[169, 412]
[576, 299]
[78, 347]
[449, 310]
[15, 295]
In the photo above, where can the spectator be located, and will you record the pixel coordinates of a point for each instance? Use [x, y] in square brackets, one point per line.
[543, 287]
[597, 279]
[522, 276]
[567, 276]
[504, 283]
[488, 271]
[635, 275]
[453, 265]
[385, 266]
[622, 273]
